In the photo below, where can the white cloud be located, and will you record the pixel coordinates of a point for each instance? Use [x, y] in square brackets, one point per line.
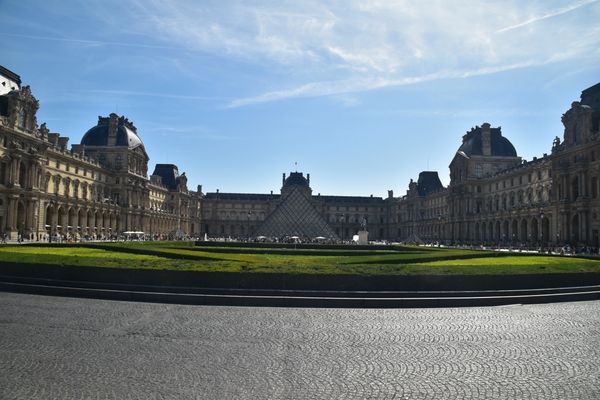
[324, 48]
[554, 13]
[329, 88]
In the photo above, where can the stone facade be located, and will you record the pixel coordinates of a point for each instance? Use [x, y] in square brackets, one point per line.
[297, 211]
[96, 189]
[494, 197]
[100, 188]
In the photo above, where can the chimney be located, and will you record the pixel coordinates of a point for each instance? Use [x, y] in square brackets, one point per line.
[486, 139]
[283, 180]
[308, 179]
[113, 126]
[62, 142]
[390, 194]
[199, 189]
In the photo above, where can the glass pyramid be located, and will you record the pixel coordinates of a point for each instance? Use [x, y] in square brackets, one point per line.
[295, 216]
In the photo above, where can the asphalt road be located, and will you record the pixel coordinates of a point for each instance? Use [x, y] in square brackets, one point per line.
[69, 348]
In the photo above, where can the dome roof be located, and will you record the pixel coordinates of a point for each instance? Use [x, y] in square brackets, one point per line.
[297, 179]
[125, 133]
[473, 145]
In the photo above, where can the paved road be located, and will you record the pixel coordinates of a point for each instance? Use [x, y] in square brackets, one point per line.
[64, 348]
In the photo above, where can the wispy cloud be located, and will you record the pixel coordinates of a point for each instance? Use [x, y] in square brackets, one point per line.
[189, 132]
[87, 41]
[310, 48]
[152, 94]
[554, 13]
[329, 88]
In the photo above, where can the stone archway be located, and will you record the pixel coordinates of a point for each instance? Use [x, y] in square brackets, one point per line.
[498, 235]
[575, 229]
[545, 229]
[535, 231]
[49, 222]
[523, 230]
[515, 231]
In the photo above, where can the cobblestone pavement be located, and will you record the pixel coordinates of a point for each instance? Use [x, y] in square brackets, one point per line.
[65, 348]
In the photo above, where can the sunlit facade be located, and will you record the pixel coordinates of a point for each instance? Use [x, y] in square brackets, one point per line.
[96, 189]
[101, 187]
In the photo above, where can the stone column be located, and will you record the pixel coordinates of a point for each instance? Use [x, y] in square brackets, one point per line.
[54, 220]
[14, 172]
[91, 222]
[583, 227]
[29, 209]
[11, 218]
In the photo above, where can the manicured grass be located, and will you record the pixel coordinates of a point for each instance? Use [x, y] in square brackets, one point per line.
[184, 256]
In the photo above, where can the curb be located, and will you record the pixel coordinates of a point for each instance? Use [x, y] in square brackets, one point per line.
[295, 298]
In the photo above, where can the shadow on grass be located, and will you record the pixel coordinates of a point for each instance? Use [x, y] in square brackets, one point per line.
[430, 259]
[299, 252]
[157, 253]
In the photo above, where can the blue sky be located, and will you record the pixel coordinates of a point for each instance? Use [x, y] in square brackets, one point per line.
[361, 94]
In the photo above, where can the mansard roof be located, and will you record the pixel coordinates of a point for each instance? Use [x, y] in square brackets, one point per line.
[429, 182]
[350, 199]
[126, 132]
[10, 75]
[168, 174]
[297, 179]
[591, 96]
[472, 143]
[240, 196]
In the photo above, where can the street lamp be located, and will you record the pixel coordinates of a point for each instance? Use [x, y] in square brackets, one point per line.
[342, 221]
[248, 227]
[542, 228]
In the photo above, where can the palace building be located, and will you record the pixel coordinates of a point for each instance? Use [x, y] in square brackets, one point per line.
[96, 189]
[100, 188]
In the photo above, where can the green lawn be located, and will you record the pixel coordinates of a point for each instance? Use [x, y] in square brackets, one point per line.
[343, 260]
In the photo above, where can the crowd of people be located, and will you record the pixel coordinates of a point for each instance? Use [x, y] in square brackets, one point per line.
[564, 249]
[76, 238]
